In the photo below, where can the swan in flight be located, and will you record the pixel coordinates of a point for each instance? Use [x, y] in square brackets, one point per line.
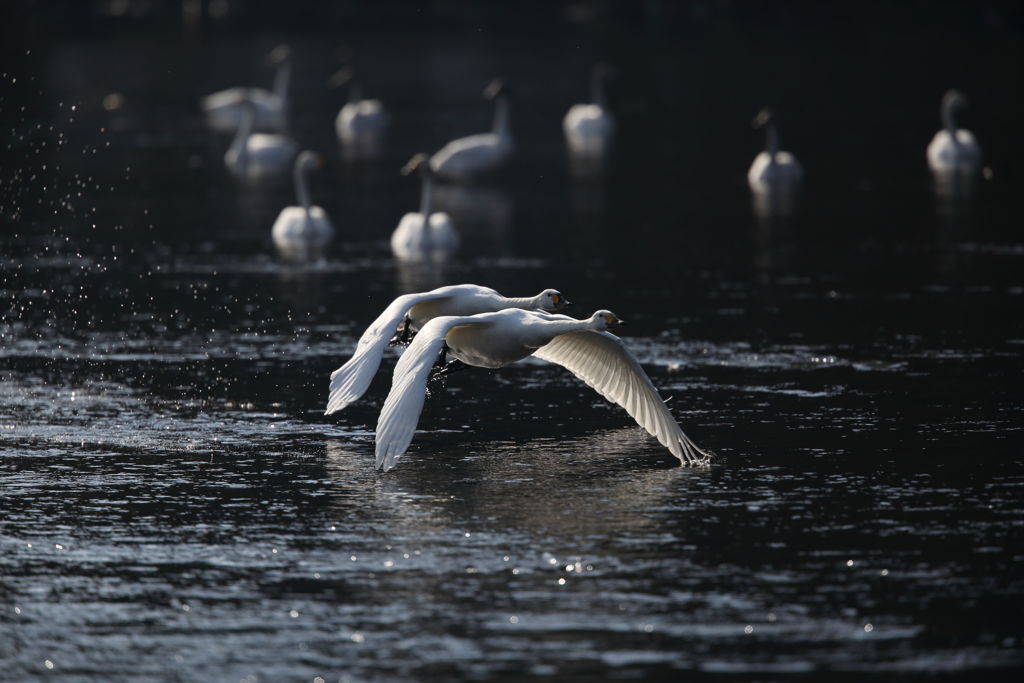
[952, 148]
[224, 108]
[257, 154]
[423, 234]
[589, 128]
[475, 154]
[360, 121]
[304, 229]
[773, 169]
[494, 340]
[351, 380]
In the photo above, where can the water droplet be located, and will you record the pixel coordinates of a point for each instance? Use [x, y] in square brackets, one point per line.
[748, 629]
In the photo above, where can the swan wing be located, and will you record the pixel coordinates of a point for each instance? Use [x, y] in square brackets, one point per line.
[402, 408]
[602, 361]
[352, 379]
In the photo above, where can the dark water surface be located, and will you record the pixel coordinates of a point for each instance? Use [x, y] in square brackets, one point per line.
[175, 507]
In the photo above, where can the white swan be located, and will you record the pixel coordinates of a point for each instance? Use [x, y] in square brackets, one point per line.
[351, 380]
[224, 108]
[360, 121]
[303, 229]
[589, 128]
[257, 154]
[494, 340]
[475, 154]
[773, 169]
[423, 234]
[952, 148]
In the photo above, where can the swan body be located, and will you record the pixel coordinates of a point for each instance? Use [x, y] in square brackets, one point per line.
[351, 380]
[465, 157]
[224, 109]
[590, 127]
[424, 233]
[415, 238]
[360, 119]
[258, 154]
[773, 169]
[952, 148]
[494, 340]
[304, 228]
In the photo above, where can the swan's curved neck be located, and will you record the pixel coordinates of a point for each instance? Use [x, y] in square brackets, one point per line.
[281, 80]
[355, 91]
[771, 141]
[948, 118]
[301, 186]
[598, 95]
[426, 196]
[526, 302]
[502, 128]
[243, 133]
[562, 326]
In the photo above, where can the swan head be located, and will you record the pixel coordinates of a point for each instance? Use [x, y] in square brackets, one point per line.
[496, 89]
[279, 55]
[605, 320]
[308, 160]
[763, 118]
[954, 100]
[417, 163]
[550, 300]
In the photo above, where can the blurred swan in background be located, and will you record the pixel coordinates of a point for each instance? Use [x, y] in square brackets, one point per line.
[361, 122]
[494, 340]
[952, 148]
[304, 230]
[257, 154]
[424, 234]
[351, 380]
[224, 109]
[590, 128]
[773, 169]
[465, 157]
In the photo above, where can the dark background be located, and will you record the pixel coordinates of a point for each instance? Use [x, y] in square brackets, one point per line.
[176, 507]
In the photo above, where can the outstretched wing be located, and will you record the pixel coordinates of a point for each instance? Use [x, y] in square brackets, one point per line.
[352, 379]
[404, 403]
[602, 360]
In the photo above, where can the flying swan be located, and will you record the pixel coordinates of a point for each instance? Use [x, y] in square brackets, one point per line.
[351, 380]
[494, 340]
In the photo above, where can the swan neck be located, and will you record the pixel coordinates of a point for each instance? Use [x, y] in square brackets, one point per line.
[301, 186]
[355, 91]
[281, 80]
[426, 197]
[502, 127]
[243, 133]
[528, 303]
[598, 94]
[948, 118]
[771, 141]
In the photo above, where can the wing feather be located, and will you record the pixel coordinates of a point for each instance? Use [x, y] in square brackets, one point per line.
[352, 379]
[602, 361]
[402, 408]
